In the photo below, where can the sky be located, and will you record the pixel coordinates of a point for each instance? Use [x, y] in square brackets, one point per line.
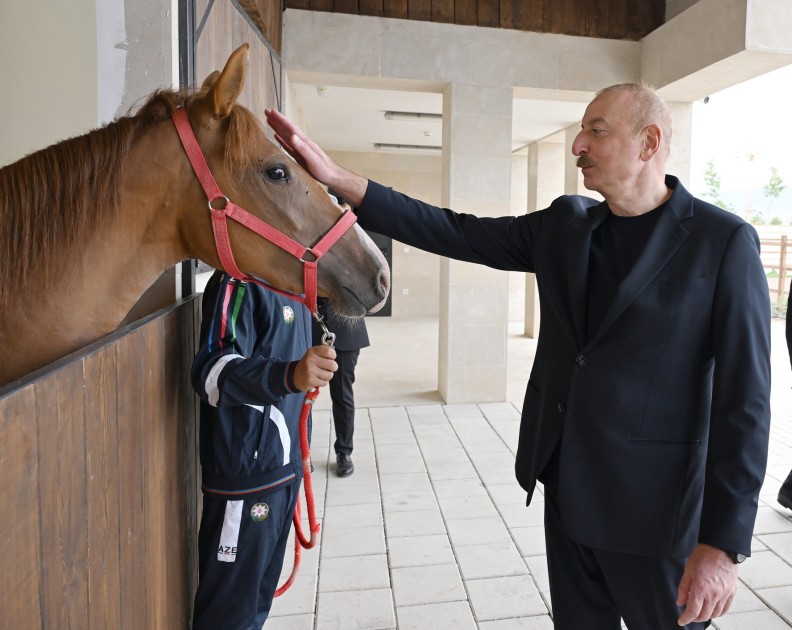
[746, 130]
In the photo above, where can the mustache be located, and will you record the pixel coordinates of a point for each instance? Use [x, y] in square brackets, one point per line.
[584, 161]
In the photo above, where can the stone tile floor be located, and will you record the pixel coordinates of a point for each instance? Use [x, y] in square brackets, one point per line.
[432, 533]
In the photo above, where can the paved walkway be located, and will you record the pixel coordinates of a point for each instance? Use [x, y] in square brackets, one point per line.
[432, 533]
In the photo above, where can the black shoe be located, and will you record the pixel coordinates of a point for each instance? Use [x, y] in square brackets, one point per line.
[344, 465]
[785, 497]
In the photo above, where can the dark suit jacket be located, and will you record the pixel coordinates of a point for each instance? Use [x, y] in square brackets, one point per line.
[789, 323]
[662, 415]
[350, 334]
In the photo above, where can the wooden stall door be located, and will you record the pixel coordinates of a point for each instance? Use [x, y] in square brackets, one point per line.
[99, 470]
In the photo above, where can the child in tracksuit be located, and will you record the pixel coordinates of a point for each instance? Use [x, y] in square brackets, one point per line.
[251, 370]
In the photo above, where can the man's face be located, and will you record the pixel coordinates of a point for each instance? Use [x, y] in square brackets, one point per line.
[607, 148]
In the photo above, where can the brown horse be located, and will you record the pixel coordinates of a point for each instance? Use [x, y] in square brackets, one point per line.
[90, 223]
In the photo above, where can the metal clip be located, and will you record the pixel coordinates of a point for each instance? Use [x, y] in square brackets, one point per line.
[328, 338]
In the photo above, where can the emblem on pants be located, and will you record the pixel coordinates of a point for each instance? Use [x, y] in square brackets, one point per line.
[259, 512]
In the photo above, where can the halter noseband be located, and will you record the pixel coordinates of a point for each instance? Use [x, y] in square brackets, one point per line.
[253, 223]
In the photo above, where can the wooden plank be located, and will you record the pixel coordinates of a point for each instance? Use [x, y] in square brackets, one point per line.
[372, 7]
[395, 9]
[597, 18]
[466, 12]
[443, 11]
[101, 440]
[297, 4]
[20, 573]
[130, 382]
[574, 17]
[488, 13]
[170, 473]
[179, 454]
[554, 17]
[533, 15]
[638, 18]
[62, 506]
[183, 450]
[618, 19]
[321, 5]
[511, 14]
[419, 10]
[346, 6]
[156, 422]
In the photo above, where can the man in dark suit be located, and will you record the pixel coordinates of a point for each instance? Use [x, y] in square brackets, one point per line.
[785, 491]
[646, 415]
[350, 337]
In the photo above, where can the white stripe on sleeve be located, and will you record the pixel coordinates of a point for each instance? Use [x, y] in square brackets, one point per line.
[211, 385]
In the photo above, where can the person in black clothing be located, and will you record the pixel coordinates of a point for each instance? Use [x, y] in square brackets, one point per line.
[785, 492]
[647, 411]
[350, 337]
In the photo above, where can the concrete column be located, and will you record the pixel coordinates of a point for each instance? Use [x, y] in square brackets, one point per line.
[474, 299]
[547, 161]
[681, 141]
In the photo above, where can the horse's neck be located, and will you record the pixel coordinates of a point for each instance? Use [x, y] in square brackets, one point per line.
[102, 278]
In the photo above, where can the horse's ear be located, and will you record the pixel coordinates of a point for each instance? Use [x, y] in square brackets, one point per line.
[228, 86]
[210, 81]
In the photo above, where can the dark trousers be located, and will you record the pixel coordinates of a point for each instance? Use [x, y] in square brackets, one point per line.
[343, 398]
[240, 555]
[594, 589]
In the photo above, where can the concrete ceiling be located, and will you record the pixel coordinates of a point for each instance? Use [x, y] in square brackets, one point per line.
[352, 118]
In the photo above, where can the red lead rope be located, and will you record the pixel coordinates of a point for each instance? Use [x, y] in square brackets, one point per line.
[299, 538]
[223, 244]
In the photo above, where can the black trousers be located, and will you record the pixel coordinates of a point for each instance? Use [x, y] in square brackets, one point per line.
[343, 398]
[241, 547]
[594, 589]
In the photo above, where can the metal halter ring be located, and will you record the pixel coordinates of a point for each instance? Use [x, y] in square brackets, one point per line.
[225, 199]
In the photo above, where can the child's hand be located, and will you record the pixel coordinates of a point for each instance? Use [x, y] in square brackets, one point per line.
[316, 368]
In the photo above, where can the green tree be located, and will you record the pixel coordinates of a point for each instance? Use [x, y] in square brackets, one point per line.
[713, 182]
[773, 189]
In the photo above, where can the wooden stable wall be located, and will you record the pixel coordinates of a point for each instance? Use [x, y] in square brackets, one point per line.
[99, 490]
[615, 19]
[221, 27]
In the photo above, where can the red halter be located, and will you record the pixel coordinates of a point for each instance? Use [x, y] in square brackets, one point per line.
[240, 215]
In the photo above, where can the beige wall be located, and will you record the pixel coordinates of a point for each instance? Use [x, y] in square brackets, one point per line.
[675, 7]
[68, 67]
[48, 64]
[415, 273]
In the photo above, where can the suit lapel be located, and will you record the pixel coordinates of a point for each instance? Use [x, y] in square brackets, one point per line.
[663, 243]
[578, 248]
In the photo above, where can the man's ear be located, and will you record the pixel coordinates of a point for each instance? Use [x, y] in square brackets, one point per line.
[652, 138]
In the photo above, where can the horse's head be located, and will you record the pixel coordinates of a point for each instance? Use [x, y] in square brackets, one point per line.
[257, 175]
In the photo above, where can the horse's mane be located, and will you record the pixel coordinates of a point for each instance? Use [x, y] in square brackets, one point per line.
[57, 196]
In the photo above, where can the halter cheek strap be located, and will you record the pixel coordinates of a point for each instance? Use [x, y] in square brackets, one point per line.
[229, 210]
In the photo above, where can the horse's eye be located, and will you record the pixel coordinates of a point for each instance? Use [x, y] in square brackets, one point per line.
[277, 173]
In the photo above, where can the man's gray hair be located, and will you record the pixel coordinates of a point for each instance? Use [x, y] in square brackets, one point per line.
[650, 108]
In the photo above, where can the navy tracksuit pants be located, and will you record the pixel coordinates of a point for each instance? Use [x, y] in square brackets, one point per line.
[241, 548]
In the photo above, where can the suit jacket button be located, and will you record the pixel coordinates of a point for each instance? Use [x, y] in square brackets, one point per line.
[561, 407]
[581, 360]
